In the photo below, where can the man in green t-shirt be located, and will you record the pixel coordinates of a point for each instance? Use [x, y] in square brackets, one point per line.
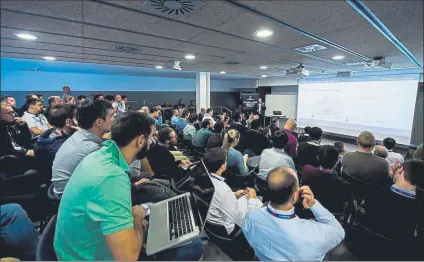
[95, 219]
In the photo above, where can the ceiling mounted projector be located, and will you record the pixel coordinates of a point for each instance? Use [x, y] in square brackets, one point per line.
[298, 71]
[378, 62]
[174, 64]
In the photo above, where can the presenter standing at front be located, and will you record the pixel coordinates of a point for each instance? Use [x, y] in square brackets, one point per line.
[260, 108]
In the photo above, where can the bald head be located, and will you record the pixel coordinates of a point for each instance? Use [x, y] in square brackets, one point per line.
[290, 125]
[380, 151]
[282, 184]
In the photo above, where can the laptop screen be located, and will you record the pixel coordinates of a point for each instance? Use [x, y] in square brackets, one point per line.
[203, 191]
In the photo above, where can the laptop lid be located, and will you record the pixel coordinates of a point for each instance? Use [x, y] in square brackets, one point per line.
[202, 195]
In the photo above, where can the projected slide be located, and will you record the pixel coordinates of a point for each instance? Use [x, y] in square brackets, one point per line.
[383, 105]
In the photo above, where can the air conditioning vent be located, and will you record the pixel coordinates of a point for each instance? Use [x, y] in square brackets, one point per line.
[310, 48]
[173, 7]
[125, 48]
[232, 63]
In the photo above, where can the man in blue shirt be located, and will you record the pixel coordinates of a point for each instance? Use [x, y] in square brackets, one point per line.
[276, 233]
[175, 117]
[182, 122]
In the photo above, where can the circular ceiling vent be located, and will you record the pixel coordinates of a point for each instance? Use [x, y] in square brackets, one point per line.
[173, 7]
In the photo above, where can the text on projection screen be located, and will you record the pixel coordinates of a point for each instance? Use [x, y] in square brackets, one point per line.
[384, 105]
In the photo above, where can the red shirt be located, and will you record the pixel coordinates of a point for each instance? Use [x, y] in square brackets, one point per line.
[291, 147]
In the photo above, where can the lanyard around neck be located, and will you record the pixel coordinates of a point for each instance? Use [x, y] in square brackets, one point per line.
[280, 215]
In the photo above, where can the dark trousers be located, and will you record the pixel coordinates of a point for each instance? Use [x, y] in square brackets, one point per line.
[262, 119]
[153, 191]
[193, 251]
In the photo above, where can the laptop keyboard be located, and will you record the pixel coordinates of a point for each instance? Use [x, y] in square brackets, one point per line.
[179, 218]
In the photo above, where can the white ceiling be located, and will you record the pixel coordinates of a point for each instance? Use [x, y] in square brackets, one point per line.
[220, 32]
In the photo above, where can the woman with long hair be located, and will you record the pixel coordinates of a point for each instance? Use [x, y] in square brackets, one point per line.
[236, 163]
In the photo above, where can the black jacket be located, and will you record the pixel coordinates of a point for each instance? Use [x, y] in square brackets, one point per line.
[256, 109]
[239, 127]
[45, 148]
[20, 135]
[256, 141]
[163, 163]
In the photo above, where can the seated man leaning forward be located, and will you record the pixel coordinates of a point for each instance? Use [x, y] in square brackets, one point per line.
[95, 219]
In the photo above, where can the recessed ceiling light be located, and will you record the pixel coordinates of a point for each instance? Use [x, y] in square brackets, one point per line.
[26, 36]
[159, 67]
[222, 72]
[263, 67]
[190, 57]
[50, 58]
[338, 57]
[264, 33]
[263, 75]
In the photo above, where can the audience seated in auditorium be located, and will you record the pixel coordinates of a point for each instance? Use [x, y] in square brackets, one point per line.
[175, 117]
[362, 165]
[182, 121]
[216, 139]
[181, 104]
[254, 140]
[226, 210]
[81, 98]
[237, 123]
[63, 118]
[341, 150]
[395, 212]
[189, 131]
[307, 152]
[292, 144]
[275, 156]
[95, 219]
[37, 123]
[201, 114]
[18, 238]
[145, 110]
[25, 107]
[98, 96]
[331, 190]
[276, 233]
[53, 100]
[209, 115]
[94, 120]
[236, 162]
[204, 133]
[124, 101]
[66, 92]
[380, 151]
[160, 158]
[419, 153]
[9, 100]
[392, 157]
[15, 135]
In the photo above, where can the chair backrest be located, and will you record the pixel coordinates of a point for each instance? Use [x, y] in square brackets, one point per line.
[28, 183]
[45, 249]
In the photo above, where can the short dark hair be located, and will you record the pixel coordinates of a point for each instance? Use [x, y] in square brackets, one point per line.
[51, 100]
[109, 98]
[315, 133]
[218, 127]
[164, 134]
[236, 116]
[209, 110]
[380, 151]
[81, 97]
[339, 146]
[255, 124]
[192, 118]
[29, 96]
[185, 113]
[32, 101]
[90, 111]
[154, 109]
[366, 139]
[60, 113]
[214, 159]
[130, 125]
[206, 123]
[4, 98]
[389, 143]
[414, 170]
[281, 185]
[65, 87]
[307, 129]
[123, 97]
[96, 96]
[280, 139]
[328, 156]
[39, 95]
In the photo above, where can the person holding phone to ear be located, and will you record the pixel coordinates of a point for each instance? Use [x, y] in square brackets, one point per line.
[276, 233]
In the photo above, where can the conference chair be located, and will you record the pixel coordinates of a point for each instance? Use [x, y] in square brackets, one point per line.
[45, 249]
[54, 200]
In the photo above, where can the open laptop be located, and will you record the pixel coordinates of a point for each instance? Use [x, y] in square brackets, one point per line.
[176, 221]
